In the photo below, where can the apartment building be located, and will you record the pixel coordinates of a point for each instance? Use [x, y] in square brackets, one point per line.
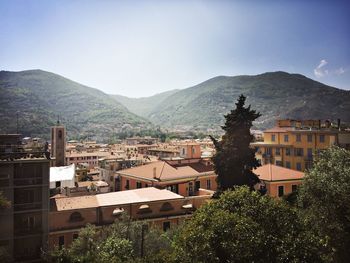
[24, 180]
[293, 143]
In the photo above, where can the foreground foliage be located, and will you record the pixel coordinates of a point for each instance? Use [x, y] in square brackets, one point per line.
[119, 242]
[243, 226]
[325, 201]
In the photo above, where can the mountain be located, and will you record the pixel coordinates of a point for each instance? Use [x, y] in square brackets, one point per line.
[143, 106]
[38, 97]
[274, 94]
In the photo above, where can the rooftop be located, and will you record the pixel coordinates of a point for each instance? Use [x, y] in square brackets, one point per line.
[142, 195]
[270, 172]
[163, 171]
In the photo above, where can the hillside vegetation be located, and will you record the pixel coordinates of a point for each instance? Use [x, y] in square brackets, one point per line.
[276, 95]
[39, 97]
[144, 106]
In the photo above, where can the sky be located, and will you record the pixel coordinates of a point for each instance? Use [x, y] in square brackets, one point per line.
[141, 48]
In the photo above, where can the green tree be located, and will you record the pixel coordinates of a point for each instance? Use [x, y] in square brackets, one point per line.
[243, 226]
[115, 249]
[122, 241]
[325, 199]
[4, 203]
[234, 158]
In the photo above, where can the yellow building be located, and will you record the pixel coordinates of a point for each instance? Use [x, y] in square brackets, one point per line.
[292, 144]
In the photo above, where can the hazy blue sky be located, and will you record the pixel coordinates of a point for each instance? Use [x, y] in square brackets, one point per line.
[139, 48]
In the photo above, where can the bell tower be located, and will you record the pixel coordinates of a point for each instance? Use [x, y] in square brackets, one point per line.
[58, 143]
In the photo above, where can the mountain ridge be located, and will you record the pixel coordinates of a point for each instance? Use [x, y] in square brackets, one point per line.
[40, 96]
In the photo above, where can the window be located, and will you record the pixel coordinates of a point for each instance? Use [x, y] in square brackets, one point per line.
[61, 241]
[278, 151]
[287, 151]
[193, 150]
[76, 217]
[268, 151]
[299, 152]
[294, 187]
[280, 190]
[299, 166]
[209, 184]
[198, 185]
[166, 225]
[174, 188]
[166, 207]
[138, 185]
[59, 134]
[309, 152]
[286, 138]
[75, 236]
[58, 184]
[321, 138]
[288, 165]
[309, 138]
[183, 151]
[298, 137]
[273, 137]
[127, 185]
[279, 163]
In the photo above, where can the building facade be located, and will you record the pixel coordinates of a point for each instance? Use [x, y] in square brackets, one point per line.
[24, 181]
[293, 144]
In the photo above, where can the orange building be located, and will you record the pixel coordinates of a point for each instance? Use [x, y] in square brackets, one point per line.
[278, 180]
[161, 207]
[292, 144]
[184, 177]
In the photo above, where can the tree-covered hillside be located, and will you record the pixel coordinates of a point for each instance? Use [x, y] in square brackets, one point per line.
[143, 106]
[38, 97]
[275, 95]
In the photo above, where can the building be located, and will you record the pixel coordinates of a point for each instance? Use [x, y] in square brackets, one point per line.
[24, 180]
[89, 158]
[141, 140]
[184, 177]
[161, 207]
[58, 144]
[63, 176]
[292, 144]
[279, 181]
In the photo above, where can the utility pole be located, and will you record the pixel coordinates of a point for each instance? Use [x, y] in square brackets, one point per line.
[143, 228]
[17, 122]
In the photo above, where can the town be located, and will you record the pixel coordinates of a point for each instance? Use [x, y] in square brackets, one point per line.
[58, 188]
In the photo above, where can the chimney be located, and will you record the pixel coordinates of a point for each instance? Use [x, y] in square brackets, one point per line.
[154, 172]
[338, 124]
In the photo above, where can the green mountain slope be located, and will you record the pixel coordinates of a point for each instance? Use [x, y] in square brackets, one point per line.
[38, 97]
[275, 95]
[143, 106]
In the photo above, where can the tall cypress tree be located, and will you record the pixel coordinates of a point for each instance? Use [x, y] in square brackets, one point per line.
[234, 158]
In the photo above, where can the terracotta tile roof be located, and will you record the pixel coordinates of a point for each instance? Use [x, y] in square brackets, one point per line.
[165, 171]
[142, 195]
[270, 172]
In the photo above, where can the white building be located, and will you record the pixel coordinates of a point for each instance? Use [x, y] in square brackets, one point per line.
[63, 176]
